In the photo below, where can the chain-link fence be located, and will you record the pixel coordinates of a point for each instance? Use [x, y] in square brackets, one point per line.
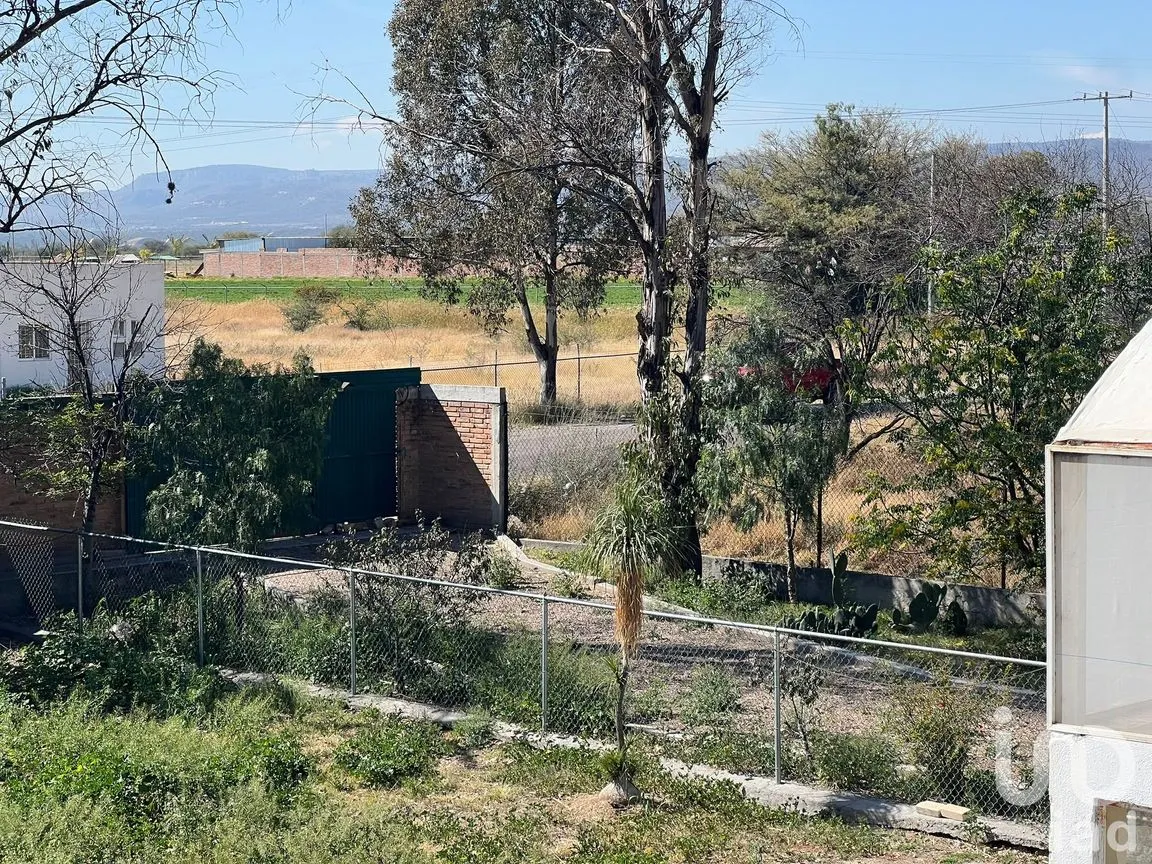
[563, 460]
[900, 722]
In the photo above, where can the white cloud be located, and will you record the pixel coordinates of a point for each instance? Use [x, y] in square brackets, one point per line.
[1097, 135]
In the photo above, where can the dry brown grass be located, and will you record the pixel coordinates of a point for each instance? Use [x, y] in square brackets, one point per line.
[428, 335]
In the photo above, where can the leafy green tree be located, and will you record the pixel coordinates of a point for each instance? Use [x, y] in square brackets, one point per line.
[828, 224]
[1025, 329]
[342, 237]
[770, 450]
[471, 192]
[239, 447]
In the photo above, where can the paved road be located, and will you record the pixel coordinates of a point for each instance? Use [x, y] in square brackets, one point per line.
[538, 449]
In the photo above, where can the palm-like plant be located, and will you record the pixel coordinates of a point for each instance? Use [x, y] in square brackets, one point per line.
[632, 538]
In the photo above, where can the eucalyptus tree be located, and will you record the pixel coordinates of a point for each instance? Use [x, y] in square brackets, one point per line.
[479, 190]
[656, 71]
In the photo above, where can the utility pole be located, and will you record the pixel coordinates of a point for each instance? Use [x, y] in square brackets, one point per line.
[931, 221]
[1104, 96]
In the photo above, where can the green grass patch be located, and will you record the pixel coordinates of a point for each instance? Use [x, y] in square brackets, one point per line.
[391, 751]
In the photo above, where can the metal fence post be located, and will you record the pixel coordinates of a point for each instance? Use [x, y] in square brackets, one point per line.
[577, 371]
[544, 665]
[495, 367]
[199, 609]
[80, 582]
[776, 696]
[352, 632]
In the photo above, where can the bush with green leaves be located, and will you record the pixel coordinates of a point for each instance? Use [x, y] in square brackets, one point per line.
[418, 639]
[940, 723]
[391, 751]
[581, 687]
[118, 663]
[308, 306]
[856, 763]
[712, 693]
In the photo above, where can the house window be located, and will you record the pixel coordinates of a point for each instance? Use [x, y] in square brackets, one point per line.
[123, 330]
[1125, 834]
[34, 341]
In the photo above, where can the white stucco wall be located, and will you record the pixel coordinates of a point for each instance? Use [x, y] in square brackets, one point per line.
[130, 291]
[1087, 770]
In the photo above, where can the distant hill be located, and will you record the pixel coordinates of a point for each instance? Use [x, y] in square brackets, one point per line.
[1087, 152]
[276, 201]
[217, 198]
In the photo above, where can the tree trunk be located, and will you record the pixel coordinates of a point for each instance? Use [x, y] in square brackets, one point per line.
[547, 349]
[621, 693]
[654, 322]
[790, 538]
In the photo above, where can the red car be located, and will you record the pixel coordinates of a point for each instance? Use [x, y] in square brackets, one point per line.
[819, 379]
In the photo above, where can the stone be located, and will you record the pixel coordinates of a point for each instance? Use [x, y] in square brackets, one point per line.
[929, 808]
[954, 812]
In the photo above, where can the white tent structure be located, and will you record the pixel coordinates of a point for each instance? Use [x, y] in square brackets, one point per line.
[1099, 499]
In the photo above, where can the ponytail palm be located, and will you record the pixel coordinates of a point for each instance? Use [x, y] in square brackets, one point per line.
[631, 539]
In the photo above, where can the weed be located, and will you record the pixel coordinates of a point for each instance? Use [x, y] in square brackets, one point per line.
[569, 584]
[391, 751]
[475, 731]
[729, 750]
[713, 692]
[503, 571]
[552, 771]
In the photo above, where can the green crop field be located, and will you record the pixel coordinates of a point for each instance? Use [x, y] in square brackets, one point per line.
[240, 290]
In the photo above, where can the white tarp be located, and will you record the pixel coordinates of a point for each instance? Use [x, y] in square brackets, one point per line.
[1118, 408]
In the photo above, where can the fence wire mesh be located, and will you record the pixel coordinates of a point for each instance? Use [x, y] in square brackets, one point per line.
[900, 722]
[563, 459]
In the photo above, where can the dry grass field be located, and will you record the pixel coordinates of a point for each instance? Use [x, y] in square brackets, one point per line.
[425, 334]
[428, 335]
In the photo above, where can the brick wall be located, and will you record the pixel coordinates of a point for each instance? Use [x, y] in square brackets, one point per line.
[302, 264]
[452, 455]
[22, 505]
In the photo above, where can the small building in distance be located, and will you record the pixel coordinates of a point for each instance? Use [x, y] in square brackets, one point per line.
[118, 309]
[1099, 500]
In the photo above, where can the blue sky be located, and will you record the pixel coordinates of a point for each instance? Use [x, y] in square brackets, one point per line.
[915, 56]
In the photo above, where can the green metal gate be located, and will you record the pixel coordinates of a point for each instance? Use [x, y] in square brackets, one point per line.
[358, 479]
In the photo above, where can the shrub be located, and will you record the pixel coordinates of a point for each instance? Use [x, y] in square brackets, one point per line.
[503, 571]
[366, 316]
[581, 687]
[301, 314]
[713, 692]
[391, 751]
[855, 763]
[118, 663]
[418, 639]
[940, 722]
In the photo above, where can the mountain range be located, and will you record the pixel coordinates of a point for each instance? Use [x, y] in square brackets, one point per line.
[279, 202]
[216, 198]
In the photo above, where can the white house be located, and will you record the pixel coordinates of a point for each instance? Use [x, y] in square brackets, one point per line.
[114, 310]
[1099, 498]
